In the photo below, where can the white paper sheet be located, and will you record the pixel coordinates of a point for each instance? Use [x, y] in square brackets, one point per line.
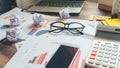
[46, 43]
[36, 45]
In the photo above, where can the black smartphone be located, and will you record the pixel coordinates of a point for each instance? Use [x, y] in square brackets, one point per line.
[62, 57]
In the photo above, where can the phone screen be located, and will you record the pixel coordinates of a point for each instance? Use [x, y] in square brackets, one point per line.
[62, 57]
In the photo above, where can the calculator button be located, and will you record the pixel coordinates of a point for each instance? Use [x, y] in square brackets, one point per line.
[112, 66]
[95, 47]
[102, 48]
[109, 46]
[106, 57]
[114, 54]
[92, 57]
[113, 57]
[108, 49]
[115, 45]
[98, 59]
[96, 43]
[97, 63]
[113, 50]
[91, 61]
[93, 53]
[105, 60]
[100, 52]
[104, 64]
[102, 45]
[107, 53]
[100, 55]
[107, 43]
[114, 62]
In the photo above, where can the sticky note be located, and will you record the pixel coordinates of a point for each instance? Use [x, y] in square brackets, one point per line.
[32, 31]
[113, 22]
[7, 17]
[23, 20]
[91, 18]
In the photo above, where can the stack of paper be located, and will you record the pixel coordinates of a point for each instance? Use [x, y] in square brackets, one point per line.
[45, 44]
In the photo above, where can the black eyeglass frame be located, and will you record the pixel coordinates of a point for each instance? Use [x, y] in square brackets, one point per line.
[66, 28]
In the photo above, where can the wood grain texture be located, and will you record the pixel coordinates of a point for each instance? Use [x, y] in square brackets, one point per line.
[6, 53]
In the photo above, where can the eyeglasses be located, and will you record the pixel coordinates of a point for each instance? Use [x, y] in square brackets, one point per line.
[73, 27]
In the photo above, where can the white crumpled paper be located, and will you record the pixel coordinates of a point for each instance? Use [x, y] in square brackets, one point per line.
[38, 19]
[14, 34]
[64, 13]
[14, 20]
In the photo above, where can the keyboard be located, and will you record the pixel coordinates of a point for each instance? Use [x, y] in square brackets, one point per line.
[104, 54]
[60, 3]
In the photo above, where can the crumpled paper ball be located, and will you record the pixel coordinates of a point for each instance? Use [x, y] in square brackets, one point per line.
[64, 13]
[14, 34]
[38, 19]
[14, 20]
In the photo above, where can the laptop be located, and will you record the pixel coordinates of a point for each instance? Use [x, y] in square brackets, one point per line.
[105, 48]
[54, 6]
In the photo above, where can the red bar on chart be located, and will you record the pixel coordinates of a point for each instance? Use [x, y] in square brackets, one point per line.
[41, 58]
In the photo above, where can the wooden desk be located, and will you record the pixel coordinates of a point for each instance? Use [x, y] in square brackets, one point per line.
[7, 51]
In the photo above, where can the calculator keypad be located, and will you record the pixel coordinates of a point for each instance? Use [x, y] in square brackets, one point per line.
[104, 54]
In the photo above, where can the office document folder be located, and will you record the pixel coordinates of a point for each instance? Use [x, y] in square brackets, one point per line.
[54, 6]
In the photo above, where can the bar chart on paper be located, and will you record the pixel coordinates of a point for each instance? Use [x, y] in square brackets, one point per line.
[33, 55]
[38, 59]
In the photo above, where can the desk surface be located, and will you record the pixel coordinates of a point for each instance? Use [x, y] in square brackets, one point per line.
[7, 51]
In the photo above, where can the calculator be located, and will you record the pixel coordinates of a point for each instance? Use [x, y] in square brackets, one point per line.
[104, 51]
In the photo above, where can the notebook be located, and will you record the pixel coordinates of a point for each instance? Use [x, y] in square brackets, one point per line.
[54, 6]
